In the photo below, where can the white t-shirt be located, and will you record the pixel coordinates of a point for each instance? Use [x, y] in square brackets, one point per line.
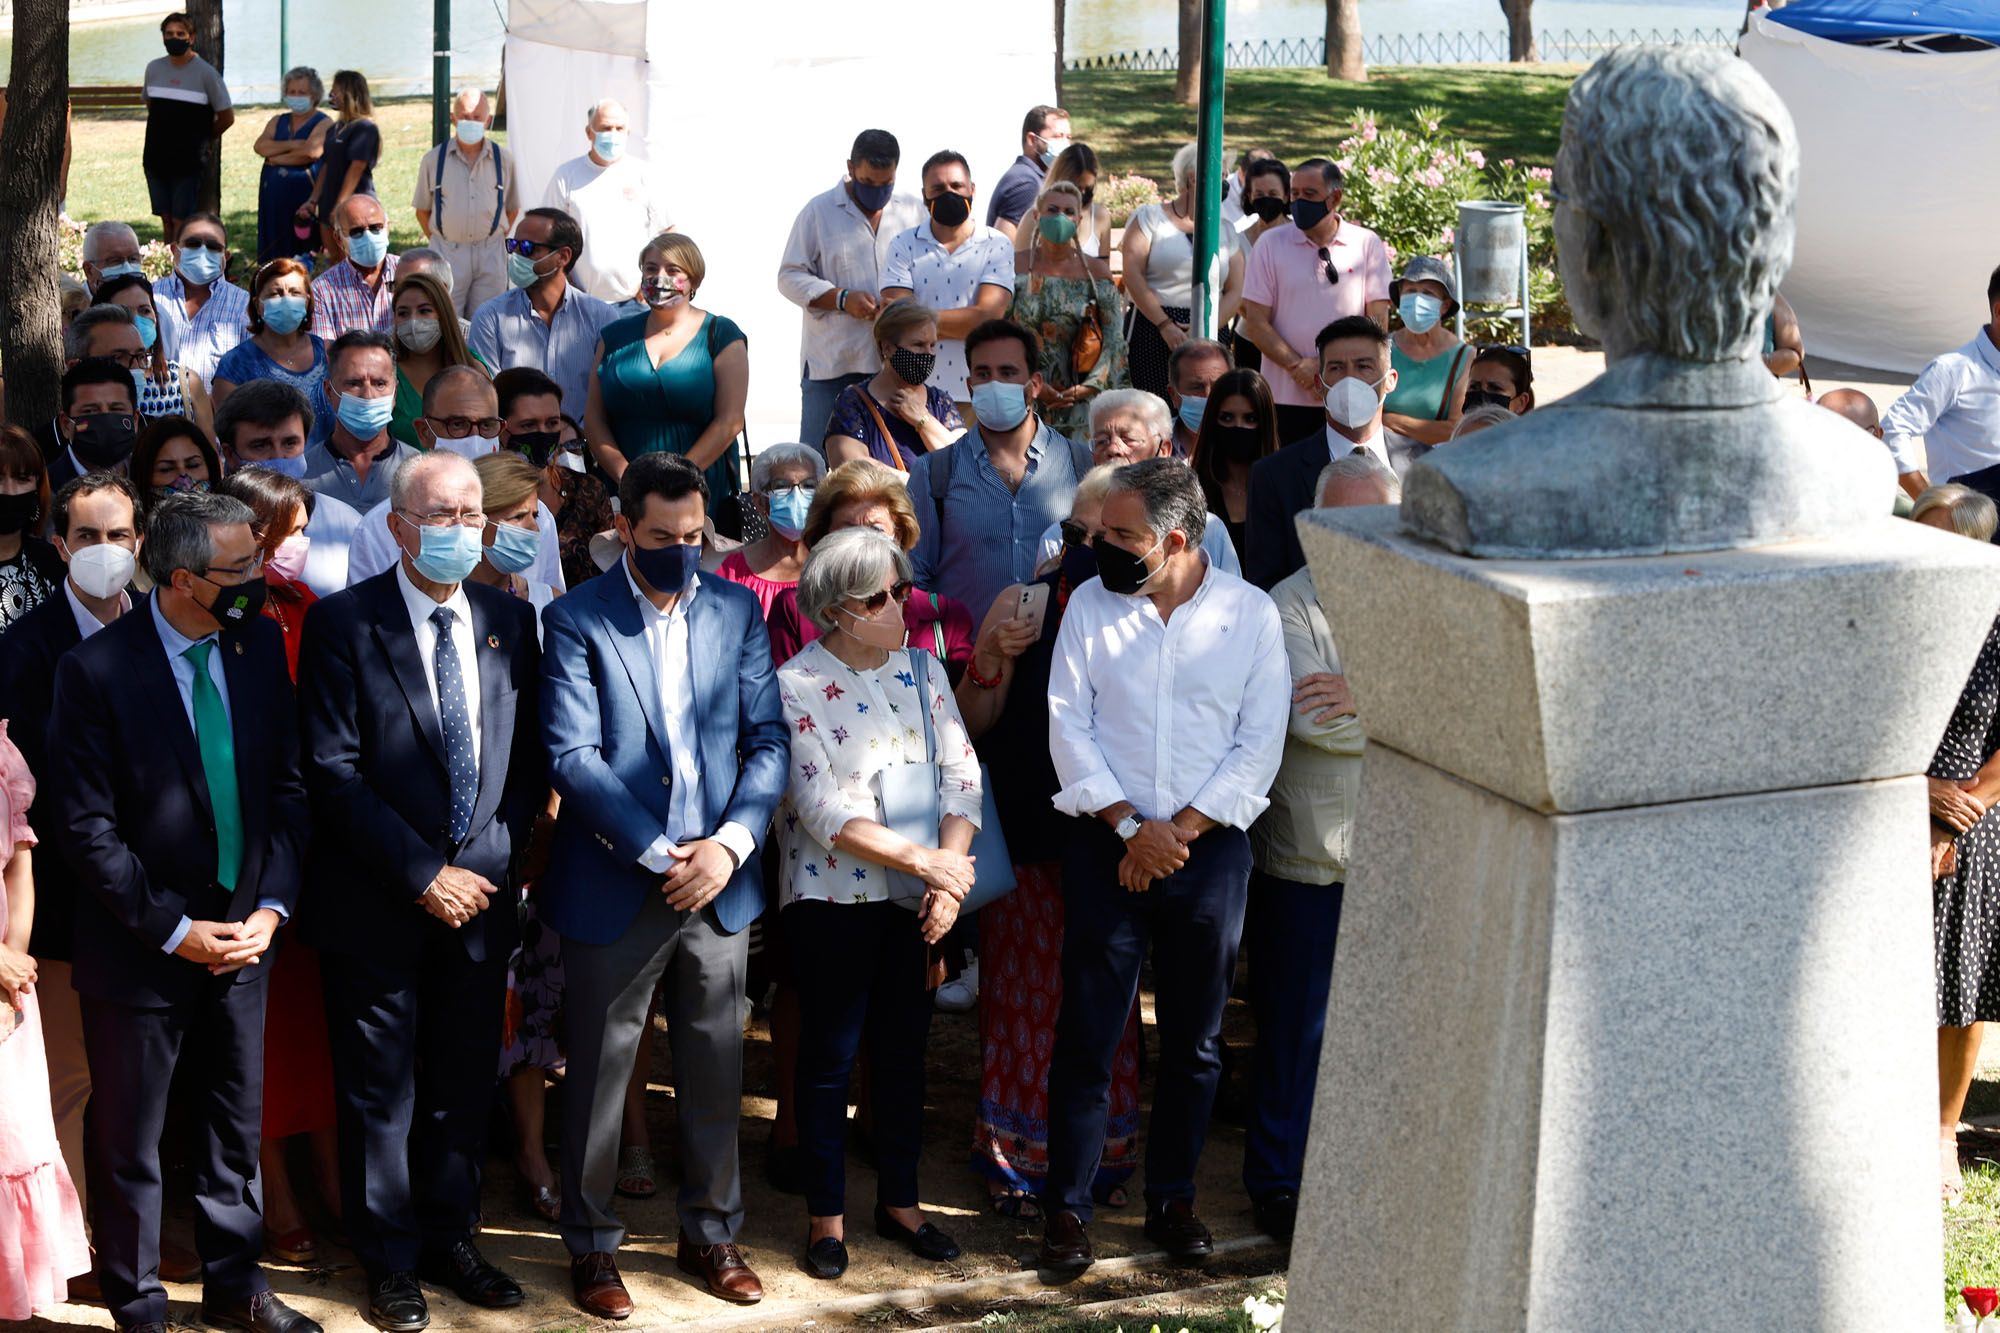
[620, 208]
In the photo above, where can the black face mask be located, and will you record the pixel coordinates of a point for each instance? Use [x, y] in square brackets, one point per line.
[912, 367]
[236, 604]
[538, 445]
[176, 46]
[1079, 564]
[949, 210]
[1122, 571]
[1309, 213]
[1269, 208]
[103, 440]
[1238, 444]
[1487, 398]
[1089, 195]
[873, 198]
[19, 512]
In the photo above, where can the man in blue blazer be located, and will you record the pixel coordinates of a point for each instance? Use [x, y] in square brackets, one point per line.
[178, 805]
[666, 741]
[417, 691]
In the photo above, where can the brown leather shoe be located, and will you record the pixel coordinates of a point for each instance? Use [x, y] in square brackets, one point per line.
[723, 1268]
[1065, 1251]
[599, 1290]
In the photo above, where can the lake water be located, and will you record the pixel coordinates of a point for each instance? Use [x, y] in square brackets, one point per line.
[390, 39]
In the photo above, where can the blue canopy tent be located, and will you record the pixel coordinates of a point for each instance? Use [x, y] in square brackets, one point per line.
[1880, 20]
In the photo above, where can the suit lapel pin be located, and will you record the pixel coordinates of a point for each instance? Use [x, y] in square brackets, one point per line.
[239, 650]
[493, 641]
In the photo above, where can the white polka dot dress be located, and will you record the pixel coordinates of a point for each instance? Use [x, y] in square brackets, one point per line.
[1965, 904]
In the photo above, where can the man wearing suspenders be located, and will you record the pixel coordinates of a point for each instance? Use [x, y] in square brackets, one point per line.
[466, 202]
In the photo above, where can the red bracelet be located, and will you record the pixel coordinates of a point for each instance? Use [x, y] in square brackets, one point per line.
[972, 674]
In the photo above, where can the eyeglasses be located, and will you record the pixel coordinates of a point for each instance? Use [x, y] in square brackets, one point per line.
[458, 428]
[356, 233]
[874, 602]
[518, 246]
[130, 360]
[445, 518]
[202, 243]
[1332, 273]
[1074, 533]
[805, 490]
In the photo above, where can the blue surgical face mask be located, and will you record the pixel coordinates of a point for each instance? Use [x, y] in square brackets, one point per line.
[139, 383]
[293, 465]
[788, 511]
[999, 405]
[513, 549]
[369, 248]
[521, 270]
[149, 331]
[298, 106]
[610, 144]
[667, 568]
[1191, 409]
[1420, 311]
[469, 132]
[447, 554]
[284, 314]
[199, 266]
[129, 269]
[365, 418]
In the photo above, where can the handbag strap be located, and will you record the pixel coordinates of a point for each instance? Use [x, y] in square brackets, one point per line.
[1451, 378]
[937, 627]
[868, 401]
[920, 669]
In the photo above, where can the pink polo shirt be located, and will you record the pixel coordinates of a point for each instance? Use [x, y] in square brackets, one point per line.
[1287, 275]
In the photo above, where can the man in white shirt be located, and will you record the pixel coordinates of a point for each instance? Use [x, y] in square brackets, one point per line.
[1948, 423]
[958, 268]
[1167, 699]
[832, 270]
[616, 199]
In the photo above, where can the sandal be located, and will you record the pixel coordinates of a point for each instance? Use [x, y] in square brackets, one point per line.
[635, 1173]
[1019, 1206]
[1951, 1181]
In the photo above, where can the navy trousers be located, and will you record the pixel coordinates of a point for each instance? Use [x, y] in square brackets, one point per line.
[133, 1053]
[816, 400]
[1193, 922]
[1290, 933]
[416, 1055]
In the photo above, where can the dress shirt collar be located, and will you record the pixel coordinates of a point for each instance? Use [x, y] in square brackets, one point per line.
[1339, 446]
[647, 610]
[175, 642]
[1038, 443]
[420, 603]
[87, 622]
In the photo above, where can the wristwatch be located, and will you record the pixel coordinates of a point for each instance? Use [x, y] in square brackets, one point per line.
[1128, 827]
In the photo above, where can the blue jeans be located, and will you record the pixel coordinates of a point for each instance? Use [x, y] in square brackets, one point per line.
[817, 398]
[1290, 932]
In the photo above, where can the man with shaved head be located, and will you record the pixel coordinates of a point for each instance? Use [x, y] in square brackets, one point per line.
[356, 293]
[616, 198]
[1856, 406]
[466, 202]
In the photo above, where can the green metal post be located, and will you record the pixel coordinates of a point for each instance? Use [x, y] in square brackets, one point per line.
[440, 71]
[1209, 179]
[284, 43]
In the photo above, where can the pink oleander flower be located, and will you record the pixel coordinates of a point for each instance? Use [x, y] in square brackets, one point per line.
[1476, 158]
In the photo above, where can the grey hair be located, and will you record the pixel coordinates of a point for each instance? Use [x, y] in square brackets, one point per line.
[423, 259]
[1183, 163]
[775, 456]
[105, 228]
[590, 116]
[1172, 495]
[1091, 489]
[850, 563]
[1686, 165]
[261, 403]
[413, 472]
[1150, 408]
[180, 532]
[312, 78]
[1359, 466]
[1972, 514]
[76, 341]
[1481, 417]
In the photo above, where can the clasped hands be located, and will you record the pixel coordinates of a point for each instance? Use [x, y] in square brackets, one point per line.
[1955, 809]
[951, 876]
[230, 946]
[702, 869]
[1159, 848]
[457, 895]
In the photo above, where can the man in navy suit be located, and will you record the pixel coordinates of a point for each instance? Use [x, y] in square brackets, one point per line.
[417, 692]
[667, 744]
[180, 810]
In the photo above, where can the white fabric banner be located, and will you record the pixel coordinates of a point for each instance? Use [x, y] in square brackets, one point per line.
[1896, 196]
[748, 110]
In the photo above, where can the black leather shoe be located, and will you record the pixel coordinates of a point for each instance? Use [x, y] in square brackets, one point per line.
[464, 1270]
[397, 1305]
[1276, 1215]
[1065, 1251]
[826, 1258]
[926, 1242]
[1175, 1229]
[262, 1313]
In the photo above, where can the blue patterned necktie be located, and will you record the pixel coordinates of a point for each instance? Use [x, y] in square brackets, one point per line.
[457, 726]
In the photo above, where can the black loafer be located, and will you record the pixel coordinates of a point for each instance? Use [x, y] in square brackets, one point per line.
[1276, 1215]
[397, 1305]
[826, 1258]
[464, 1271]
[926, 1242]
[262, 1313]
[1174, 1227]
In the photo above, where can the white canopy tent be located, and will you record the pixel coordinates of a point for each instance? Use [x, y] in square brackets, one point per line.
[1896, 199]
[748, 110]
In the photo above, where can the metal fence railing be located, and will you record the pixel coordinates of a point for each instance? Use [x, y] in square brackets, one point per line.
[1559, 45]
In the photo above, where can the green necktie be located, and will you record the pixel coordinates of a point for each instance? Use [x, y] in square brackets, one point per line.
[218, 765]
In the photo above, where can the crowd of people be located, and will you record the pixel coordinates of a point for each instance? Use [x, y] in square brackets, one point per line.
[413, 684]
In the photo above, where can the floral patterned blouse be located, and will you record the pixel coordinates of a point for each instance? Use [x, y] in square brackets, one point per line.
[847, 726]
[1054, 309]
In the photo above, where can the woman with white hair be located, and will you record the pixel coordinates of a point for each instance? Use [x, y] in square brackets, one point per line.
[1073, 312]
[1959, 509]
[783, 481]
[1159, 278]
[857, 703]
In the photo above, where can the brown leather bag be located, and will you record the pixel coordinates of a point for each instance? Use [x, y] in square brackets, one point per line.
[1088, 345]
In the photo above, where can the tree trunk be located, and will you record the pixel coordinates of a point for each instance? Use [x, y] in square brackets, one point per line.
[1062, 7]
[1343, 41]
[207, 18]
[1520, 30]
[31, 151]
[1187, 72]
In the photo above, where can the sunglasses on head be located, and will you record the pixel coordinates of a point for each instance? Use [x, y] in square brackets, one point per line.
[875, 601]
[1515, 348]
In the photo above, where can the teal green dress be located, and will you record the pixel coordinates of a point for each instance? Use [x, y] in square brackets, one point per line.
[666, 410]
[1423, 388]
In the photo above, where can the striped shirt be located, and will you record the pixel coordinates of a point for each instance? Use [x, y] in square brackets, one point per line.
[342, 300]
[221, 323]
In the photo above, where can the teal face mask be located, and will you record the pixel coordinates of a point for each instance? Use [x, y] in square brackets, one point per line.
[284, 314]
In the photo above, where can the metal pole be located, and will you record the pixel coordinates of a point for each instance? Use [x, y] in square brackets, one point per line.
[440, 71]
[1209, 257]
[284, 44]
